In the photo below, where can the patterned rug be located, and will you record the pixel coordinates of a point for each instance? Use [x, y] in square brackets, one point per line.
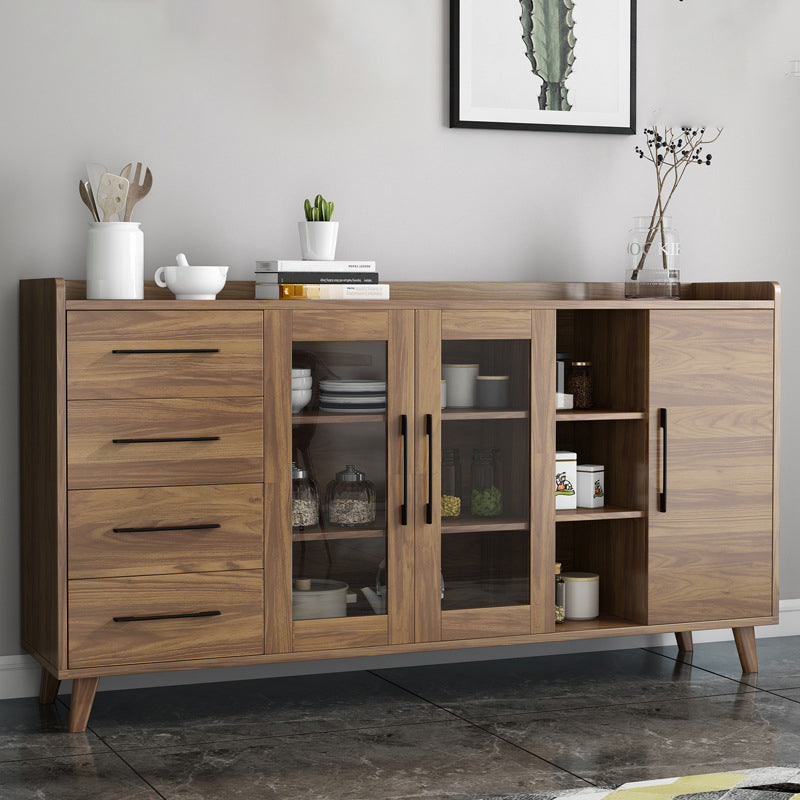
[766, 783]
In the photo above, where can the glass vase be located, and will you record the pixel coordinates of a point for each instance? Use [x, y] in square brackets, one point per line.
[653, 260]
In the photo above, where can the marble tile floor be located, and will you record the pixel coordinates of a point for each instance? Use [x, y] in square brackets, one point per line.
[451, 732]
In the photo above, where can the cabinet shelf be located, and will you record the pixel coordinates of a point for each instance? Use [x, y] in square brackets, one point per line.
[603, 622]
[321, 418]
[483, 413]
[596, 414]
[606, 512]
[484, 524]
[322, 536]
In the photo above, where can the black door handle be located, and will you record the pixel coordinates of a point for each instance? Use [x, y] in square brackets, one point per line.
[662, 495]
[404, 434]
[429, 434]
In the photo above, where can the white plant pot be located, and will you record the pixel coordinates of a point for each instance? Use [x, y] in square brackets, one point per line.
[318, 240]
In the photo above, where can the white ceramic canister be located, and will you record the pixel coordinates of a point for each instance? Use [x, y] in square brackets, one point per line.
[581, 595]
[460, 384]
[591, 486]
[444, 393]
[566, 478]
[321, 600]
[114, 261]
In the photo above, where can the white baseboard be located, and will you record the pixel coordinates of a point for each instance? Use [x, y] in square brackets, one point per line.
[19, 674]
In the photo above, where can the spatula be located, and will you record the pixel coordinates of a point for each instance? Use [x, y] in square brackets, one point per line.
[86, 195]
[111, 195]
[136, 191]
[95, 172]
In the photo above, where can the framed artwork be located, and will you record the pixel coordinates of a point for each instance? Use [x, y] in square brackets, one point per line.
[547, 65]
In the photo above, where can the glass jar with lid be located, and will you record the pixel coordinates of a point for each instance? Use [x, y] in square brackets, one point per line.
[486, 499]
[305, 500]
[451, 483]
[580, 384]
[350, 500]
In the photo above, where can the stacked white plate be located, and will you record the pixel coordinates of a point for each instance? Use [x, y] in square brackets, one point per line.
[352, 396]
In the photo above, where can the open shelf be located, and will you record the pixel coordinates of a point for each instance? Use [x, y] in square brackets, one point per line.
[329, 535]
[606, 512]
[483, 413]
[596, 414]
[603, 622]
[323, 418]
[484, 524]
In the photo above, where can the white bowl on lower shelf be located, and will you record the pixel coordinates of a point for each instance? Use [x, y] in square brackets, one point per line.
[300, 399]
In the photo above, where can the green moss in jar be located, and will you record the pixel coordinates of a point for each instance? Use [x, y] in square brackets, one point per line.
[487, 502]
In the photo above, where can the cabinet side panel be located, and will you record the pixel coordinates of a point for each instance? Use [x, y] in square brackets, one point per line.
[43, 468]
[277, 481]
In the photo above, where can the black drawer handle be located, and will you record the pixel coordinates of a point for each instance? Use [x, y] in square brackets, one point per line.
[150, 352]
[170, 439]
[169, 616]
[202, 527]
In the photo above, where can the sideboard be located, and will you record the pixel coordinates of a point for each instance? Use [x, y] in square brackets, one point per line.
[157, 443]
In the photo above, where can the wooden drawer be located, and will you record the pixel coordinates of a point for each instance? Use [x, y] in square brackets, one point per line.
[123, 443]
[232, 605]
[114, 354]
[163, 530]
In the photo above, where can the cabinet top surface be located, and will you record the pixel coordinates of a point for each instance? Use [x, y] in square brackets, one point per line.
[447, 295]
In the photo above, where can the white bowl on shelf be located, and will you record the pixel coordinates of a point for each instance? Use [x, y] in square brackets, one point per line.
[301, 383]
[298, 372]
[300, 399]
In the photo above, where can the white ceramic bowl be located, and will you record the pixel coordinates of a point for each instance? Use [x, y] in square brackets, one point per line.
[301, 383]
[192, 283]
[300, 399]
[301, 373]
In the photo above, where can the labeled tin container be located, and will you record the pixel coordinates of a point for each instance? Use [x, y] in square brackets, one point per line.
[566, 477]
[581, 595]
[591, 486]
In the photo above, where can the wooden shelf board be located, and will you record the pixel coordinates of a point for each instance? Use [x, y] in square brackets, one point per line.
[457, 414]
[596, 414]
[323, 418]
[355, 533]
[481, 524]
[603, 622]
[606, 512]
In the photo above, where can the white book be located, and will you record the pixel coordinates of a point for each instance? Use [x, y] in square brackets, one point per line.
[325, 291]
[314, 266]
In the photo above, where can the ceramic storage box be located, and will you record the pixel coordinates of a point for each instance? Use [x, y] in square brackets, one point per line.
[566, 475]
[591, 486]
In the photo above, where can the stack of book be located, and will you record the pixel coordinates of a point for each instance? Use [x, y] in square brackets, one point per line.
[319, 280]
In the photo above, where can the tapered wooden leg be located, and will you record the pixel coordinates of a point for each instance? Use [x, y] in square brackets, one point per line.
[80, 706]
[48, 688]
[684, 639]
[745, 639]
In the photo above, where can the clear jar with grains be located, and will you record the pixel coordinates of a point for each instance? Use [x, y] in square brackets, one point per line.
[486, 499]
[580, 384]
[451, 483]
[305, 500]
[350, 500]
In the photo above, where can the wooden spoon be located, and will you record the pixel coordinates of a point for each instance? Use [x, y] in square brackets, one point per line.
[136, 191]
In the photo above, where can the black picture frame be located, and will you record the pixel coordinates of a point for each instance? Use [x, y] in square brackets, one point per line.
[615, 85]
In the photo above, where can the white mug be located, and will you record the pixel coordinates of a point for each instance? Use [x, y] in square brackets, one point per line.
[192, 283]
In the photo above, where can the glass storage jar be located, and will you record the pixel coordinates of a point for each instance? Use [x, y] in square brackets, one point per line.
[451, 483]
[350, 500]
[486, 499]
[305, 500]
[579, 384]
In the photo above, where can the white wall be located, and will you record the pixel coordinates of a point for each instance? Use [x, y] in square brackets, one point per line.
[242, 108]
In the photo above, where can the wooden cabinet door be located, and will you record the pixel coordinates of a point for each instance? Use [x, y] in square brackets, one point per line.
[712, 379]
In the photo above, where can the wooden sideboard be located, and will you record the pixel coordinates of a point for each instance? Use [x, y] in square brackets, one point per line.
[157, 438]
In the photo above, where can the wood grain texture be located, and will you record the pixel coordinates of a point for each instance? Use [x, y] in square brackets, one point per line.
[711, 553]
[80, 703]
[43, 469]
[96, 371]
[326, 326]
[96, 640]
[487, 324]
[340, 632]
[48, 687]
[684, 641]
[776, 447]
[400, 545]
[476, 623]
[745, 639]
[96, 462]
[97, 550]
[277, 482]
[427, 536]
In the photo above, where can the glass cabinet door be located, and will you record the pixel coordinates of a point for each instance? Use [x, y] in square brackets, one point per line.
[351, 398]
[489, 523]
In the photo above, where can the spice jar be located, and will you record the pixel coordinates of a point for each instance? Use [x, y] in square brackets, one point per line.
[579, 384]
[305, 500]
[451, 483]
[350, 500]
[560, 587]
[486, 499]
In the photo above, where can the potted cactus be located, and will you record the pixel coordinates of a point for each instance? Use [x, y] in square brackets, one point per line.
[318, 233]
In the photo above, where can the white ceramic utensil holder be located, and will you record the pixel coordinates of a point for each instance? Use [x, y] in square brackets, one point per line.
[318, 240]
[114, 261]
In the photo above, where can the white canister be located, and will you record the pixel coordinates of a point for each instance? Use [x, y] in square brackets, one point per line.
[114, 261]
[566, 477]
[460, 384]
[581, 595]
[444, 393]
[319, 599]
[591, 486]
